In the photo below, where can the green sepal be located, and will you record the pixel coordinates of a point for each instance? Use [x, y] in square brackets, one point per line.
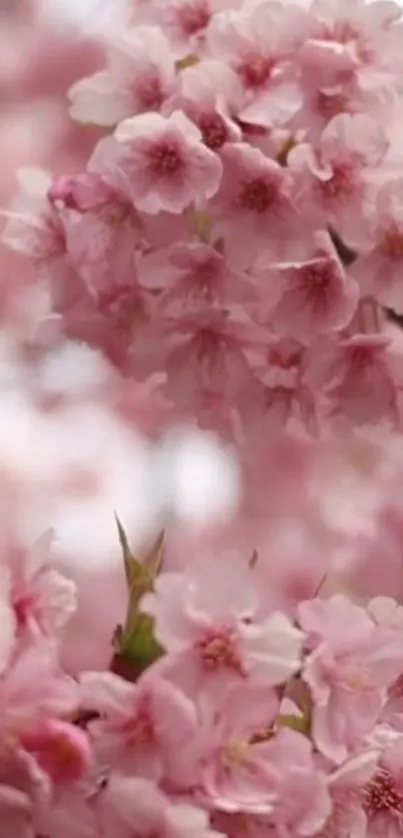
[141, 648]
[134, 642]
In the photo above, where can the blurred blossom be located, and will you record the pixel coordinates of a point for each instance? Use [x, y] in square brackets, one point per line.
[200, 477]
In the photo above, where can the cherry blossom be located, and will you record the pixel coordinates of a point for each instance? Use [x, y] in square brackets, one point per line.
[220, 640]
[140, 75]
[164, 162]
[347, 673]
[336, 176]
[377, 268]
[314, 296]
[144, 725]
[255, 201]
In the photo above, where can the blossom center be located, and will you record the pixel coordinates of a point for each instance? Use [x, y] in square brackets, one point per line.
[255, 69]
[381, 795]
[329, 105]
[150, 93]
[391, 244]
[165, 159]
[114, 214]
[217, 649]
[214, 130]
[234, 754]
[194, 17]
[341, 183]
[139, 729]
[23, 606]
[317, 277]
[257, 195]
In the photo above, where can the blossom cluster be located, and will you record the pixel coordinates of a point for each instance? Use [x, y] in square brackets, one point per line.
[250, 152]
[219, 713]
[229, 258]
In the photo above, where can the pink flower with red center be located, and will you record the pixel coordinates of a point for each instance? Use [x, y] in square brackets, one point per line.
[142, 727]
[214, 635]
[120, 324]
[208, 93]
[102, 231]
[140, 76]
[335, 177]
[206, 355]
[191, 276]
[383, 794]
[282, 396]
[358, 381]
[346, 786]
[255, 41]
[236, 771]
[253, 767]
[164, 163]
[353, 40]
[42, 597]
[389, 615]
[379, 264]
[35, 230]
[312, 297]
[255, 203]
[349, 666]
[186, 22]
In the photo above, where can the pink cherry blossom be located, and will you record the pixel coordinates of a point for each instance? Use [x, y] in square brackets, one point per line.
[142, 727]
[311, 297]
[237, 773]
[35, 230]
[256, 41]
[282, 394]
[378, 266]
[164, 162]
[209, 94]
[347, 671]
[383, 794]
[34, 688]
[41, 596]
[303, 803]
[359, 381]
[351, 39]
[132, 803]
[335, 177]
[186, 22]
[255, 203]
[206, 356]
[102, 231]
[300, 801]
[191, 276]
[140, 75]
[347, 787]
[214, 635]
